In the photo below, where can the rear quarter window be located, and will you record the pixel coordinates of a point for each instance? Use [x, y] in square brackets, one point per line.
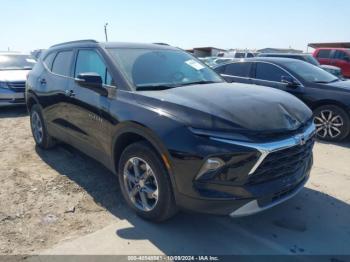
[49, 59]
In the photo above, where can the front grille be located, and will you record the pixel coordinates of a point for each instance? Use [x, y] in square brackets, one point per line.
[283, 163]
[17, 86]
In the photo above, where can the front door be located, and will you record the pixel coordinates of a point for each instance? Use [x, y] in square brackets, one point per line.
[88, 109]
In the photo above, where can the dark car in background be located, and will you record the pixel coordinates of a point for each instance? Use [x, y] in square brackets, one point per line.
[174, 131]
[339, 57]
[334, 70]
[14, 68]
[325, 94]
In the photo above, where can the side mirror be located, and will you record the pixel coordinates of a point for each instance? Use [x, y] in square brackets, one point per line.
[290, 81]
[92, 81]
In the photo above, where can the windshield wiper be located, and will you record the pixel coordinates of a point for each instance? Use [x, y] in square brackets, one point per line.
[203, 82]
[326, 82]
[154, 87]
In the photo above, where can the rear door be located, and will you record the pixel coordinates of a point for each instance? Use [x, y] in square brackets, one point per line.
[239, 72]
[270, 75]
[53, 83]
[88, 109]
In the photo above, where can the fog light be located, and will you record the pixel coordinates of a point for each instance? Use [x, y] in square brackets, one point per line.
[211, 165]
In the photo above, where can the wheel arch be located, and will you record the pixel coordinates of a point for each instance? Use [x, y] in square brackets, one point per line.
[329, 102]
[131, 132]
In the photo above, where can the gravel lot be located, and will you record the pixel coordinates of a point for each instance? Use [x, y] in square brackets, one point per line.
[53, 197]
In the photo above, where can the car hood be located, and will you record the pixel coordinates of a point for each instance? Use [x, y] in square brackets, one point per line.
[13, 75]
[341, 84]
[330, 67]
[227, 107]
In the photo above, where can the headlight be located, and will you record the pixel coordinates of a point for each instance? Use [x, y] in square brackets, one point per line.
[3, 85]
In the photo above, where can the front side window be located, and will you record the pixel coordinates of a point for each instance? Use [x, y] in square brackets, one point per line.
[162, 68]
[16, 62]
[324, 54]
[89, 61]
[62, 63]
[269, 72]
[238, 69]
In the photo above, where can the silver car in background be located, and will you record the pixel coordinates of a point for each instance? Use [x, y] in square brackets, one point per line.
[14, 68]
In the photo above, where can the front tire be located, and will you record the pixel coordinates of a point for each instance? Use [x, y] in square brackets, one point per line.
[39, 128]
[332, 123]
[145, 183]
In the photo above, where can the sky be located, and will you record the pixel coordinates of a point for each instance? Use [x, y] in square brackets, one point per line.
[32, 24]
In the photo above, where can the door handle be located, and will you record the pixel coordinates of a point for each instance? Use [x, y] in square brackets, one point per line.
[69, 93]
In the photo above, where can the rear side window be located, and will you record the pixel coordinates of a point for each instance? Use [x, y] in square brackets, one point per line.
[238, 69]
[49, 59]
[341, 55]
[269, 72]
[62, 63]
[324, 54]
[90, 61]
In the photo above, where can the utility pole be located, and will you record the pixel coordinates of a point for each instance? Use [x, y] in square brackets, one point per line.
[106, 35]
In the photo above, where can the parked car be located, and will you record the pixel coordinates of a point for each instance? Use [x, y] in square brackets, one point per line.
[334, 70]
[237, 54]
[174, 131]
[325, 94]
[339, 57]
[14, 68]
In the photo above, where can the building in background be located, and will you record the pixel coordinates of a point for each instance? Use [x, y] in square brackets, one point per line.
[205, 51]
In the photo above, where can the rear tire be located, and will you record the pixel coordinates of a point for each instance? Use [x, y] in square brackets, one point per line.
[332, 123]
[145, 183]
[39, 129]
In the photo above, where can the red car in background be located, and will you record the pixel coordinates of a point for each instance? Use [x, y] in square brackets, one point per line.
[339, 57]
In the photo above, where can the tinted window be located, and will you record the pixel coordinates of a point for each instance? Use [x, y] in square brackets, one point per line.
[324, 54]
[48, 60]
[238, 69]
[341, 55]
[61, 64]
[89, 61]
[269, 72]
[249, 55]
[220, 69]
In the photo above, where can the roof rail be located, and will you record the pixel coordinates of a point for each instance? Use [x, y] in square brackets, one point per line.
[77, 41]
[161, 44]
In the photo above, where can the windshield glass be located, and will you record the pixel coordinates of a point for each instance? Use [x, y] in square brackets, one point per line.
[16, 62]
[147, 68]
[310, 72]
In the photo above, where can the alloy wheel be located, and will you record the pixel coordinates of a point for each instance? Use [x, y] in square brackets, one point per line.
[37, 127]
[141, 184]
[328, 124]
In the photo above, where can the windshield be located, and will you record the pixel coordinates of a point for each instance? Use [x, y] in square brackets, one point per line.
[310, 72]
[160, 69]
[16, 62]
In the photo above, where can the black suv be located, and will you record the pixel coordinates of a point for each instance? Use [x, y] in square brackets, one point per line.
[327, 95]
[176, 134]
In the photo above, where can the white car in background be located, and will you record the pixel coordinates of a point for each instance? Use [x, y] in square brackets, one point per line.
[14, 68]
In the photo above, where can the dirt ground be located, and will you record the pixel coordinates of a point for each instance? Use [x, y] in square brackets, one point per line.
[49, 197]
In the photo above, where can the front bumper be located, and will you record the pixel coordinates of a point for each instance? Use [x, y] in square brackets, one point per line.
[9, 97]
[267, 175]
